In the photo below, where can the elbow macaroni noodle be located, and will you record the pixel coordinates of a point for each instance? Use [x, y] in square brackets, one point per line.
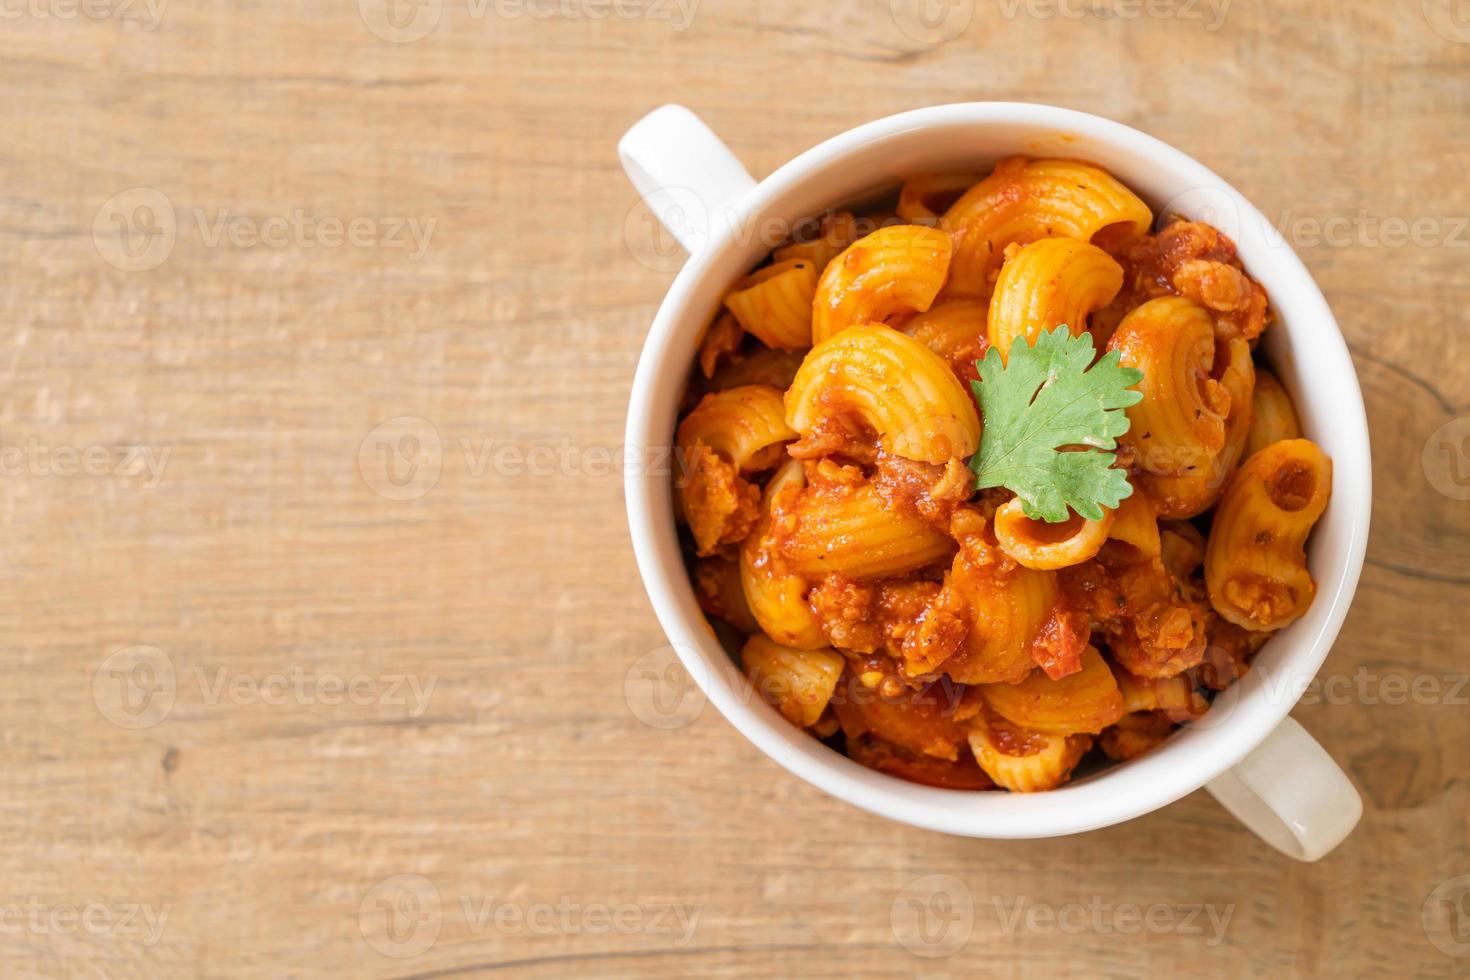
[894, 386]
[1004, 610]
[799, 683]
[1255, 566]
[1274, 416]
[851, 531]
[937, 633]
[1022, 201]
[774, 305]
[1050, 283]
[1025, 762]
[1087, 701]
[953, 330]
[894, 270]
[1191, 493]
[1178, 431]
[745, 425]
[775, 597]
[1134, 533]
[1048, 547]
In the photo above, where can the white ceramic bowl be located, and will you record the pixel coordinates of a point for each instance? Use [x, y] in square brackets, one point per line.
[1257, 761]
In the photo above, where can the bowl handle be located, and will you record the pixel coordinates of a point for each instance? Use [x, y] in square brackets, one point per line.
[688, 178]
[1291, 794]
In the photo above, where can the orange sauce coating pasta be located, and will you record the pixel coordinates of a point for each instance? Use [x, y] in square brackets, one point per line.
[850, 532]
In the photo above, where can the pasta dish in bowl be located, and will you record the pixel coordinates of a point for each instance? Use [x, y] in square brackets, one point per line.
[1005, 436]
[970, 564]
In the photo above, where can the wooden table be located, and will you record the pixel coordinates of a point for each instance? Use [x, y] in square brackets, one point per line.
[323, 625]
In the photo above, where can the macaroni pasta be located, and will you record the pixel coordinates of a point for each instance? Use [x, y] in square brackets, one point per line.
[938, 633]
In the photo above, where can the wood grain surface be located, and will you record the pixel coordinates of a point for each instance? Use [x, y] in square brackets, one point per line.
[327, 649]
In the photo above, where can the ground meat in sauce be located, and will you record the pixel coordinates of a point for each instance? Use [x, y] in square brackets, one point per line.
[942, 636]
[1187, 259]
[865, 617]
[941, 643]
[951, 637]
[721, 508]
[932, 720]
[1149, 625]
[929, 491]
[1262, 599]
[1063, 639]
[839, 431]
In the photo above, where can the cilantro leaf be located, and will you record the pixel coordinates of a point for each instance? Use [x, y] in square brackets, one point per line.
[1046, 397]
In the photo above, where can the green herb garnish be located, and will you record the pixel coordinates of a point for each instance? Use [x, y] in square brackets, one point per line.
[1052, 419]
